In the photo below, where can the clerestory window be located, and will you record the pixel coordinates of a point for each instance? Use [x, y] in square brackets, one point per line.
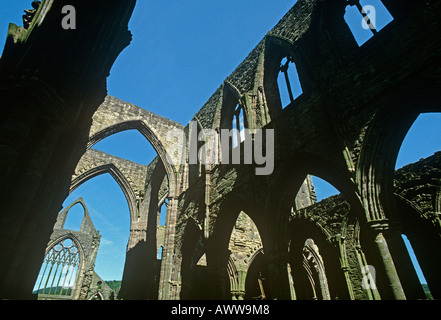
[288, 81]
[239, 124]
[365, 18]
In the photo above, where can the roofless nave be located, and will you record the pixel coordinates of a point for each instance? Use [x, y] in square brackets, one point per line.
[229, 233]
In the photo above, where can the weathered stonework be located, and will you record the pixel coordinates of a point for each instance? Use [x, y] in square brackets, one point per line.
[232, 234]
[52, 81]
[86, 240]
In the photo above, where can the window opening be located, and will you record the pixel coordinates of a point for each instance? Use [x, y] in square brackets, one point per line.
[238, 125]
[163, 213]
[160, 253]
[130, 145]
[59, 270]
[323, 189]
[109, 211]
[74, 218]
[289, 78]
[365, 18]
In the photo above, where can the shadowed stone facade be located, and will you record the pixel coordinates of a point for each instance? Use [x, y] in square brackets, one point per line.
[232, 234]
[52, 81]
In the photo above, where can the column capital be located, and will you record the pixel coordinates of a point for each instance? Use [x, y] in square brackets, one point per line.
[384, 225]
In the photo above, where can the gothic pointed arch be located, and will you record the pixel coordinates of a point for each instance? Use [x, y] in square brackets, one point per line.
[119, 178]
[115, 115]
[381, 144]
[282, 55]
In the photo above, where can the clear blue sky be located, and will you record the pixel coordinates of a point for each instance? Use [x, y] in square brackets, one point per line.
[180, 54]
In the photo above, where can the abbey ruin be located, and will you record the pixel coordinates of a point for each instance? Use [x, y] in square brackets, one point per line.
[230, 234]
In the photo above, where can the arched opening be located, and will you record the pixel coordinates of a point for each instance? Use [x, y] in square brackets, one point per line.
[142, 248]
[234, 121]
[163, 213]
[244, 245]
[381, 185]
[195, 281]
[287, 75]
[323, 189]
[317, 287]
[366, 19]
[316, 266]
[74, 217]
[236, 236]
[421, 141]
[313, 190]
[109, 211]
[130, 145]
[314, 263]
[420, 186]
[239, 123]
[132, 141]
[197, 155]
[159, 256]
[288, 81]
[135, 127]
[58, 274]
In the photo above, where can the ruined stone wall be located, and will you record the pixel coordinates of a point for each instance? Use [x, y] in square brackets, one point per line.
[346, 127]
[92, 160]
[87, 239]
[244, 242]
[420, 184]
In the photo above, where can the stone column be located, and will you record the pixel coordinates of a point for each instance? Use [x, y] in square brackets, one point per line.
[168, 250]
[242, 277]
[404, 265]
[278, 276]
[217, 259]
[339, 241]
[394, 287]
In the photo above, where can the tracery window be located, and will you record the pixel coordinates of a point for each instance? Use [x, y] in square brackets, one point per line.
[59, 271]
[288, 81]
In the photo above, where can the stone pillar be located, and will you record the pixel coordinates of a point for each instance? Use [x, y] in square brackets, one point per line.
[242, 277]
[394, 288]
[339, 241]
[278, 276]
[371, 291]
[168, 250]
[406, 271]
[217, 260]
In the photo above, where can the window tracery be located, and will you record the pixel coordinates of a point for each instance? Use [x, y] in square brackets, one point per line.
[60, 268]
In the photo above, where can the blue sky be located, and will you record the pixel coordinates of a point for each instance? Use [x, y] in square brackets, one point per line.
[180, 54]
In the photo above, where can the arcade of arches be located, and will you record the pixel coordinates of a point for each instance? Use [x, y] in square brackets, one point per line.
[229, 233]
